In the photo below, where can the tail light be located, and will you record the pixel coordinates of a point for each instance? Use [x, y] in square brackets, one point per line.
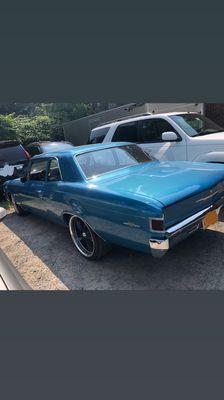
[157, 224]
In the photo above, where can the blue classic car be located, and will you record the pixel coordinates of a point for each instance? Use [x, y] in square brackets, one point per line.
[116, 193]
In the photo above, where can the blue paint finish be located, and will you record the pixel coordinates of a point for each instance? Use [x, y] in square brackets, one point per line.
[118, 205]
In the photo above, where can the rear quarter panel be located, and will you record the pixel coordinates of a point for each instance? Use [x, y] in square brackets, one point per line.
[118, 219]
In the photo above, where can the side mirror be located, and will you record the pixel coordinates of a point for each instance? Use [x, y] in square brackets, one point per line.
[3, 213]
[169, 137]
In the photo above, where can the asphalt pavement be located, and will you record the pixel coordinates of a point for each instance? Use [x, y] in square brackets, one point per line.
[45, 256]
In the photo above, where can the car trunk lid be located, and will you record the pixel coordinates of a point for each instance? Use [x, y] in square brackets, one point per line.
[182, 188]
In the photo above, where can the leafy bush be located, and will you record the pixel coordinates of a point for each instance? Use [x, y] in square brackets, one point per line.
[6, 128]
[30, 129]
[35, 122]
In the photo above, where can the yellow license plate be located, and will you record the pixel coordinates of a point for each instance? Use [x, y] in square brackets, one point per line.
[210, 219]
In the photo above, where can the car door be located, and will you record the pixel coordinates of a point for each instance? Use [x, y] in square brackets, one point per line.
[150, 139]
[33, 189]
[53, 195]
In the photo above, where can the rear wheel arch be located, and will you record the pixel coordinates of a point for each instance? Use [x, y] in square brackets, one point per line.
[66, 217]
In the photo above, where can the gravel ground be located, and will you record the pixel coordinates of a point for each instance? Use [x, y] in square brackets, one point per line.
[44, 255]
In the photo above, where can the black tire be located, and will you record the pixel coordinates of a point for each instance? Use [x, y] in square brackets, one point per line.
[18, 210]
[86, 241]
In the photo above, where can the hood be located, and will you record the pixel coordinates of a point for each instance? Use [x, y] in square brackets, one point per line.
[167, 182]
[213, 138]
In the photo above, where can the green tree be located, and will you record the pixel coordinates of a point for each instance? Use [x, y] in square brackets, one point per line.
[7, 130]
[39, 121]
[30, 129]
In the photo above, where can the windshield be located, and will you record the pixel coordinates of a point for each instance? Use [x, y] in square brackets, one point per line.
[196, 124]
[99, 162]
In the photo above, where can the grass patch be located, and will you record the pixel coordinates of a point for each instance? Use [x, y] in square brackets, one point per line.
[6, 204]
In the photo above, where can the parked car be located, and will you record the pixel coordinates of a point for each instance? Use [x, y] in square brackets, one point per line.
[170, 136]
[116, 193]
[13, 158]
[46, 147]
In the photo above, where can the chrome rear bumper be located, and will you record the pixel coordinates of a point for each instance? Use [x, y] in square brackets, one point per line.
[180, 231]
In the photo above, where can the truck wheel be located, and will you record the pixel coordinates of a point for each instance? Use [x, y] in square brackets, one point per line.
[86, 241]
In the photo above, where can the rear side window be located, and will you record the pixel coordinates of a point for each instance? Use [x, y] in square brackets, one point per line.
[38, 170]
[126, 133]
[54, 174]
[98, 135]
[12, 155]
[143, 131]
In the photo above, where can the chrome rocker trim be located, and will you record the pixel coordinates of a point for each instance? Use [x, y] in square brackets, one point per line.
[179, 232]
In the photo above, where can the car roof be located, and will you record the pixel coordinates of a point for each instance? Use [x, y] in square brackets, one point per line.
[82, 149]
[48, 142]
[139, 118]
[9, 143]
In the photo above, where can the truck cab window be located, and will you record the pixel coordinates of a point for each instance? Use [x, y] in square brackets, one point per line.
[98, 135]
[126, 133]
[150, 130]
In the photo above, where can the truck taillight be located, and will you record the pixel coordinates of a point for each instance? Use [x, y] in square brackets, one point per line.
[157, 224]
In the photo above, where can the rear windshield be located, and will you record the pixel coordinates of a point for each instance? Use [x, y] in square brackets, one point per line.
[56, 147]
[98, 135]
[12, 155]
[99, 162]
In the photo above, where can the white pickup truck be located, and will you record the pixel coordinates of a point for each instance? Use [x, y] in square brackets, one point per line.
[168, 136]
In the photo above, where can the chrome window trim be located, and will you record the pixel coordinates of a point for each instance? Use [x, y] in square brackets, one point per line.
[47, 159]
[33, 160]
[48, 168]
